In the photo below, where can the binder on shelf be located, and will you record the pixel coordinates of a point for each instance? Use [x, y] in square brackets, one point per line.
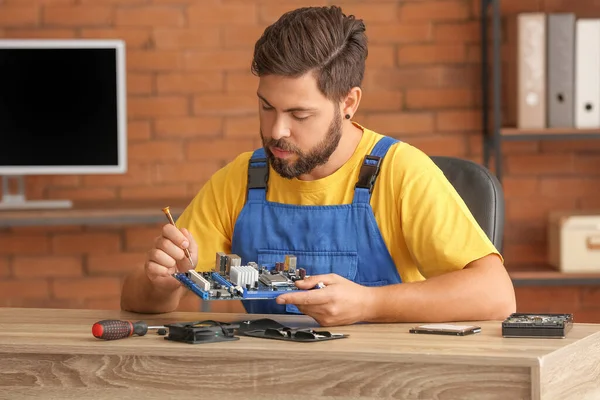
[561, 70]
[531, 80]
[587, 73]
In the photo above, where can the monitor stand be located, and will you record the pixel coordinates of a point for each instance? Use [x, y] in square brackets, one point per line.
[17, 201]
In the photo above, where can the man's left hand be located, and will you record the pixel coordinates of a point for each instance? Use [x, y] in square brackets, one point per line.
[340, 302]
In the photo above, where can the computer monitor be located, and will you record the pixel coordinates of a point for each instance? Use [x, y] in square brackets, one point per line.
[62, 111]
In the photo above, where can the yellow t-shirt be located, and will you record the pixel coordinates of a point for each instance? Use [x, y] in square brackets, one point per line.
[426, 225]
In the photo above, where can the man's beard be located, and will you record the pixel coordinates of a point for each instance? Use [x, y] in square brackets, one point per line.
[305, 162]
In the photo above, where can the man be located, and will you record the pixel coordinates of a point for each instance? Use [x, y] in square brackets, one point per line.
[399, 245]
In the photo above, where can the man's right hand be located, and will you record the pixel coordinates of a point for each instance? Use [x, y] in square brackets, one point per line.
[167, 256]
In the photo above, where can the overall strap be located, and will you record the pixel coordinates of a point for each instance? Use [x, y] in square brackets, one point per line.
[370, 170]
[258, 176]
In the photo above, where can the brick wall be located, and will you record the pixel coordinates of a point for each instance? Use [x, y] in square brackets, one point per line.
[192, 108]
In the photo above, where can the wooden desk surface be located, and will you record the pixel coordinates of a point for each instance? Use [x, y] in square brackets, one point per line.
[52, 353]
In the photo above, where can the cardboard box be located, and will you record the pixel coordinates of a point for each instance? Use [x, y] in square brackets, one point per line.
[574, 241]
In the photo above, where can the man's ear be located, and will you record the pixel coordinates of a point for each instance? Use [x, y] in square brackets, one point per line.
[351, 102]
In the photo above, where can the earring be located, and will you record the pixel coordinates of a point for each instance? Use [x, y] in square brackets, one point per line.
[347, 116]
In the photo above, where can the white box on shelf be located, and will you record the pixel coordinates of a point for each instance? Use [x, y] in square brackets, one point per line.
[574, 241]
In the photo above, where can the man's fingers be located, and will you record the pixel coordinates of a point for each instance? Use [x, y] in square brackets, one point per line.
[173, 233]
[312, 281]
[309, 297]
[155, 270]
[161, 258]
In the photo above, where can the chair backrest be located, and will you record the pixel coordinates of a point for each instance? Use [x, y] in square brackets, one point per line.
[480, 190]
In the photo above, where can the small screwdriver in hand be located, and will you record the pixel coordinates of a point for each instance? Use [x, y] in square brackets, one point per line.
[112, 329]
[167, 212]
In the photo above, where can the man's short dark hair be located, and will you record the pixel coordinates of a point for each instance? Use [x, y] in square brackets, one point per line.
[322, 40]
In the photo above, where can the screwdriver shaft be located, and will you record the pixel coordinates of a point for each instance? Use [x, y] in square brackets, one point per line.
[167, 212]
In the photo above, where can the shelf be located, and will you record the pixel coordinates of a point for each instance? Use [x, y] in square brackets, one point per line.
[94, 213]
[516, 134]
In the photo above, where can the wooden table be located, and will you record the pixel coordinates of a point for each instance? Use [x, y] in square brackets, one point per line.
[48, 354]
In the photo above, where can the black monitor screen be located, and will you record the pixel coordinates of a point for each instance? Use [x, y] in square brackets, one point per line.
[58, 107]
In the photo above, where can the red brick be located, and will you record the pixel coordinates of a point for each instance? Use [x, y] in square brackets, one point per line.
[188, 127]
[31, 244]
[138, 130]
[150, 16]
[19, 15]
[244, 82]
[476, 146]
[140, 84]
[119, 264]
[438, 98]
[405, 78]
[5, 271]
[587, 164]
[524, 233]
[524, 253]
[241, 36]
[372, 12]
[158, 192]
[434, 10]
[55, 266]
[156, 151]
[439, 145]
[585, 9]
[590, 203]
[207, 37]
[458, 121]
[381, 100]
[189, 82]
[242, 127]
[464, 32]
[432, 54]
[401, 123]
[460, 76]
[186, 172]
[88, 288]
[43, 230]
[78, 15]
[270, 12]
[117, 2]
[154, 60]
[86, 243]
[30, 288]
[536, 208]
[200, 15]
[558, 146]
[105, 193]
[162, 106]
[136, 175]
[547, 299]
[135, 38]
[34, 33]
[511, 7]
[141, 238]
[38, 2]
[400, 33]
[569, 186]
[381, 56]
[590, 298]
[218, 60]
[225, 104]
[515, 187]
[521, 164]
[226, 149]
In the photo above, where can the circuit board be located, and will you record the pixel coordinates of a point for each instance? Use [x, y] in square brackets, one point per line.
[230, 280]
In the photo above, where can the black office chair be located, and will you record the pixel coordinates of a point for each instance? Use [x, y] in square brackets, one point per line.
[481, 192]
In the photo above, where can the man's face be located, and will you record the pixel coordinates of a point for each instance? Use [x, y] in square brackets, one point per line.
[300, 128]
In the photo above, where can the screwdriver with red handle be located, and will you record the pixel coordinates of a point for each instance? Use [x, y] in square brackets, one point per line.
[113, 329]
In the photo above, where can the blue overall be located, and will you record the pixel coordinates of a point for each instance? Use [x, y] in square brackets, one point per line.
[342, 239]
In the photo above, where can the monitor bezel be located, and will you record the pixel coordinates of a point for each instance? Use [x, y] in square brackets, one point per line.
[120, 67]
